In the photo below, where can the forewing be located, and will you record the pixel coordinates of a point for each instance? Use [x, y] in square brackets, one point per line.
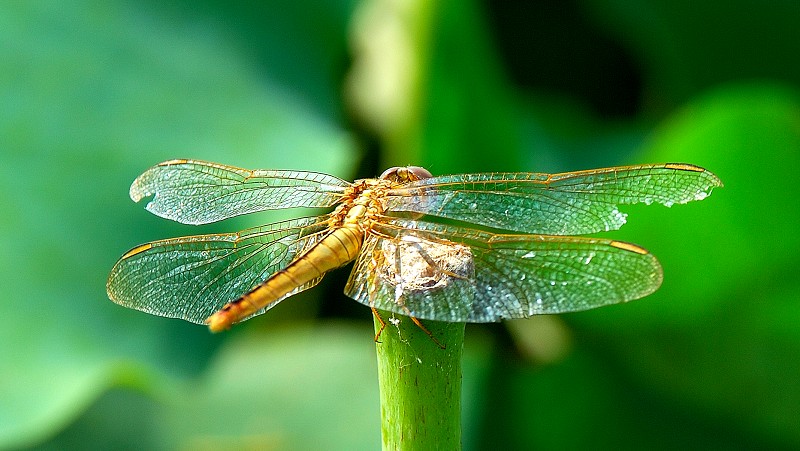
[197, 192]
[513, 276]
[192, 277]
[572, 203]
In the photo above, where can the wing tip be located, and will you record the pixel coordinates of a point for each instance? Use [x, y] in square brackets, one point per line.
[175, 161]
[140, 187]
[685, 167]
[136, 250]
[629, 247]
[136, 192]
[713, 179]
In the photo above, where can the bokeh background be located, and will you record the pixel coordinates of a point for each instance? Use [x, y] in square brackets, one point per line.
[94, 92]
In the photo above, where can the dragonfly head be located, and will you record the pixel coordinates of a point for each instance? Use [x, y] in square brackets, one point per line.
[403, 174]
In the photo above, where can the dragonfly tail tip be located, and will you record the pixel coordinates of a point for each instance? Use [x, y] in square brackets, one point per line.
[218, 323]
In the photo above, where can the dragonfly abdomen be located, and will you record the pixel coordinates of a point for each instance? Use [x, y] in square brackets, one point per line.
[336, 249]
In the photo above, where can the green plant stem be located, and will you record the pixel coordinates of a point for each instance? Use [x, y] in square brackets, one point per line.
[420, 384]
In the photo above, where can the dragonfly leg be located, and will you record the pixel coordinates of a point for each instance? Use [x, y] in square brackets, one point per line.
[414, 319]
[380, 320]
[434, 265]
[424, 329]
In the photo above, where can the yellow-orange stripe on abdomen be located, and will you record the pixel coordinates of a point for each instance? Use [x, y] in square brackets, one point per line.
[339, 247]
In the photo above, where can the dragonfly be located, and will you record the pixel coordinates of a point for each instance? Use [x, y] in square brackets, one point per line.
[472, 248]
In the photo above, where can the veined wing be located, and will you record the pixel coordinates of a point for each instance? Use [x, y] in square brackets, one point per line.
[192, 277]
[487, 277]
[571, 203]
[198, 192]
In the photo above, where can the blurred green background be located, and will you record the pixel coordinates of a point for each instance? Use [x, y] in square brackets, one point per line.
[93, 93]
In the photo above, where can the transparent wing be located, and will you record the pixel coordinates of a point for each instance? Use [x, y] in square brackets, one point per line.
[197, 192]
[498, 276]
[571, 203]
[192, 277]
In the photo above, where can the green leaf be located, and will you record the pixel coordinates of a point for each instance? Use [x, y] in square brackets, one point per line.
[295, 387]
[91, 94]
[717, 335]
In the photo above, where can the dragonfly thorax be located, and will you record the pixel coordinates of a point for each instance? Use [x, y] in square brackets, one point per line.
[361, 203]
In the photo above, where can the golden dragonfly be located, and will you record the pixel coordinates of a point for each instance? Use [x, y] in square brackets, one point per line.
[458, 248]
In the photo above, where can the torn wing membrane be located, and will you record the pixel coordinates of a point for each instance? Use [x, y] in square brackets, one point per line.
[197, 192]
[192, 277]
[571, 203]
[514, 276]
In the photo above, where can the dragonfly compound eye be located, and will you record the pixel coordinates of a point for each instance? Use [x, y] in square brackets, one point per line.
[418, 173]
[406, 174]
